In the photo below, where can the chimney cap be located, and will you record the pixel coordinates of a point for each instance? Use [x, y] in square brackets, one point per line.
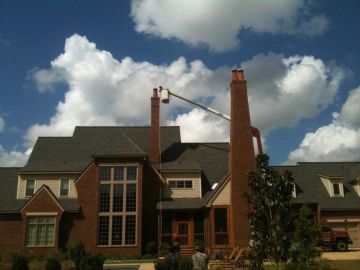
[155, 94]
[237, 75]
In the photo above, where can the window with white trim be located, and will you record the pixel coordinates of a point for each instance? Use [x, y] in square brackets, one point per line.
[64, 187]
[181, 184]
[30, 187]
[337, 188]
[40, 231]
[117, 205]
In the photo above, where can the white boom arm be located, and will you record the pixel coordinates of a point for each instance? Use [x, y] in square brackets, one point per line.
[165, 98]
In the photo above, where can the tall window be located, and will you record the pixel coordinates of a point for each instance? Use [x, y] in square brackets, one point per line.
[221, 228]
[336, 188]
[117, 205]
[64, 187]
[30, 187]
[40, 231]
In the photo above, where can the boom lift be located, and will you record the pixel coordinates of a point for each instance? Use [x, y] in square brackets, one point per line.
[165, 98]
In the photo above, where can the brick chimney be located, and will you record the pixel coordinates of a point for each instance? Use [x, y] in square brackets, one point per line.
[155, 127]
[242, 158]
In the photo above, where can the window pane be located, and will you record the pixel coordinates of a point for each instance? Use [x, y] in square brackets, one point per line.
[167, 223]
[130, 230]
[103, 233]
[104, 198]
[30, 185]
[336, 189]
[198, 223]
[31, 235]
[221, 236]
[130, 197]
[64, 187]
[49, 235]
[131, 173]
[180, 184]
[188, 184]
[40, 234]
[118, 198]
[118, 173]
[116, 230]
[105, 173]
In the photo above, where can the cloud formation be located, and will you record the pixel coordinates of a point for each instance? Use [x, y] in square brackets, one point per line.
[337, 141]
[104, 91]
[200, 23]
[13, 158]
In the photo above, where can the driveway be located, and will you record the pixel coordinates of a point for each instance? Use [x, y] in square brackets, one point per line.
[333, 256]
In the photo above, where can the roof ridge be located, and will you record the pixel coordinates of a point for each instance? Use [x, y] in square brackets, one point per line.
[132, 142]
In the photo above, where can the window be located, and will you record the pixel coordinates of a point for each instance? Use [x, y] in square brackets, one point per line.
[117, 205]
[30, 187]
[40, 231]
[64, 187]
[336, 188]
[221, 230]
[294, 190]
[183, 184]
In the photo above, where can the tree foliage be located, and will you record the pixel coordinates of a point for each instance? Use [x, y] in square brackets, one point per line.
[306, 239]
[270, 217]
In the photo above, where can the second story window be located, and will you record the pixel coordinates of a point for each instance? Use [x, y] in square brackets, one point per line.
[336, 188]
[30, 187]
[183, 184]
[64, 187]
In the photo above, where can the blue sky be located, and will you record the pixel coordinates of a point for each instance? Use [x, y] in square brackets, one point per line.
[68, 63]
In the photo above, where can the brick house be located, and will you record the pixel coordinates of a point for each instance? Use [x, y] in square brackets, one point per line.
[117, 188]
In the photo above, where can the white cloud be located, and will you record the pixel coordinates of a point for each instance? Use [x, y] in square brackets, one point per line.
[105, 91]
[45, 79]
[201, 23]
[13, 158]
[338, 141]
[2, 124]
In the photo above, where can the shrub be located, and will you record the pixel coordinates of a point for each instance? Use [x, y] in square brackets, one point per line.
[19, 262]
[185, 263]
[161, 265]
[150, 247]
[76, 253]
[164, 249]
[52, 264]
[91, 262]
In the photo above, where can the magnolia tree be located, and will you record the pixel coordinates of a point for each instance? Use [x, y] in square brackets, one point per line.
[270, 217]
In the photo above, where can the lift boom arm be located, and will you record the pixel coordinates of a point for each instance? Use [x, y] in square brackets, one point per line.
[165, 98]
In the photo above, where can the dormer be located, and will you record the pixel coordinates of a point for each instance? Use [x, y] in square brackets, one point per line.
[294, 191]
[182, 184]
[356, 185]
[62, 185]
[334, 185]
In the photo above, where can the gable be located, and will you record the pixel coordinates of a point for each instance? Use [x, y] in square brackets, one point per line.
[42, 201]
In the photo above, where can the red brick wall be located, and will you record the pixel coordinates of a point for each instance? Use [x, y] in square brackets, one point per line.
[242, 160]
[155, 128]
[83, 227]
[11, 233]
[151, 193]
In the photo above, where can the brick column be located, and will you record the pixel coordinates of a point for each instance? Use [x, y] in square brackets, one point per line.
[242, 158]
[155, 128]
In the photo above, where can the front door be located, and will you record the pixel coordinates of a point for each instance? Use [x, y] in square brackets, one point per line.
[182, 231]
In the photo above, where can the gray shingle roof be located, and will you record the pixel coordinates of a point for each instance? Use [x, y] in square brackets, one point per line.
[74, 153]
[8, 188]
[310, 188]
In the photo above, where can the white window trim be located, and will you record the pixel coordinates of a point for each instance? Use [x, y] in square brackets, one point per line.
[294, 190]
[110, 214]
[68, 195]
[26, 196]
[184, 180]
[39, 214]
